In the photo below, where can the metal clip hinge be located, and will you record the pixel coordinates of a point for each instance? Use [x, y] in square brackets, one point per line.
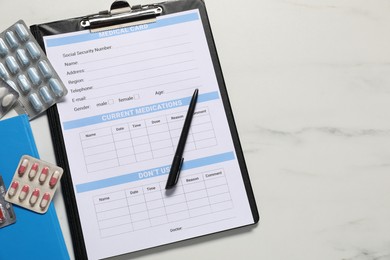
[121, 15]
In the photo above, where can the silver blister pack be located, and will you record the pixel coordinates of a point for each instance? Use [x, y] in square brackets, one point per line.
[7, 214]
[25, 67]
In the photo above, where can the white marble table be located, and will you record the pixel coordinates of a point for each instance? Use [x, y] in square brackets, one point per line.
[309, 83]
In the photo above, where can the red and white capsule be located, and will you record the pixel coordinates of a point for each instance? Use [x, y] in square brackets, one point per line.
[45, 200]
[43, 176]
[13, 189]
[33, 171]
[24, 192]
[23, 167]
[54, 179]
[34, 197]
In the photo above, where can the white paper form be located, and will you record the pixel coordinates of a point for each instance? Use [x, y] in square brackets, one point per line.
[129, 91]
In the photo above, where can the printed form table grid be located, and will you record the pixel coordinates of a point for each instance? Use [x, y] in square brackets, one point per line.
[143, 140]
[147, 206]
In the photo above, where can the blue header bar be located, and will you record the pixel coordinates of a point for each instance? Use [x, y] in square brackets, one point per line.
[150, 173]
[137, 111]
[161, 22]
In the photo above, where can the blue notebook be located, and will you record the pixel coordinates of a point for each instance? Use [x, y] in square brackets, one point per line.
[33, 236]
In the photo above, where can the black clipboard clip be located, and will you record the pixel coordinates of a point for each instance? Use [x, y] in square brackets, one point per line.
[121, 15]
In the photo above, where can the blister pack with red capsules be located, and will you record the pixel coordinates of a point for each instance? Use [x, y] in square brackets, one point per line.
[34, 184]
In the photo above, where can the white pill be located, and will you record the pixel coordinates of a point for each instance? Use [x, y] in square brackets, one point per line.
[8, 100]
[3, 91]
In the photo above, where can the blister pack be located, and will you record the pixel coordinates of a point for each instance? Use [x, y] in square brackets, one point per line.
[25, 67]
[34, 184]
[8, 97]
[7, 214]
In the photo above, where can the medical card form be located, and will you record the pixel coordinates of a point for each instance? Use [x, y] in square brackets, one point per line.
[129, 91]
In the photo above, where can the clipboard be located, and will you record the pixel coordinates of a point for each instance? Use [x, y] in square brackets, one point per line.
[105, 24]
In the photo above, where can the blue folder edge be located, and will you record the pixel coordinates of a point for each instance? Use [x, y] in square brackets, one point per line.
[33, 236]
